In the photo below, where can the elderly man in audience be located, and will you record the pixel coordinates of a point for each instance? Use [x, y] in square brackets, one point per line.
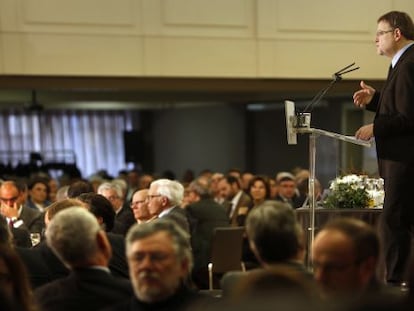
[124, 218]
[275, 237]
[164, 200]
[345, 257]
[42, 264]
[139, 206]
[14, 209]
[160, 260]
[76, 238]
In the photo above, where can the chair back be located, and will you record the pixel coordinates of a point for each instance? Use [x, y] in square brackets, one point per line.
[226, 249]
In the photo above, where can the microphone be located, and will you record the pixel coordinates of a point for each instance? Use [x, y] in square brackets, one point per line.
[336, 77]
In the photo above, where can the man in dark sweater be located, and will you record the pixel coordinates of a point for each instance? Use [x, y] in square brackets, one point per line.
[160, 260]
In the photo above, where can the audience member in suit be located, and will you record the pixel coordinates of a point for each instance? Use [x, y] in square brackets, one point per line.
[276, 288]
[287, 191]
[205, 215]
[124, 218]
[18, 215]
[104, 213]
[237, 201]
[275, 238]
[42, 264]
[164, 200]
[345, 257]
[160, 260]
[38, 190]
[76, 238]
[139, 206]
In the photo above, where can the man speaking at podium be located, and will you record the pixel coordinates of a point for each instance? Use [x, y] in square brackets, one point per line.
[393, 129]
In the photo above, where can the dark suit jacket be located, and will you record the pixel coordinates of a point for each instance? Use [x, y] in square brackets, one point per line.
[206, 215]
[124, 219]
[394, 119]
[84, 289]
[182, 300]
[232, 278]
[32, 219]
[178, 215]
[42, 264]
[244, 201]
[21, 237]
[118, 264]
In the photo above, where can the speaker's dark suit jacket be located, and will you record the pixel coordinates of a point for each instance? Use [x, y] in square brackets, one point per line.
[84, 289]
[394, 137]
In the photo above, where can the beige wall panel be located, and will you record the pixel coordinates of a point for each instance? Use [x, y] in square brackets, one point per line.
[72, 55]
[216, 18]
[289, 59]
[319, 19]
[404, 5]
[75, 16]
[200, 57]
[9, 11]
[12, 54]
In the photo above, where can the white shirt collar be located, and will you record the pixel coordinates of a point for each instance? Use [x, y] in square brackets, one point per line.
[399, 53]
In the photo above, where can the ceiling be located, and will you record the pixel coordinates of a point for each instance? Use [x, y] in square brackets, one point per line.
[154, 93]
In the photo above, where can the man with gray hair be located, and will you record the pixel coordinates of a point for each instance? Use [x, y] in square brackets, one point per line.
[77, 239]
[275, 237]
[160, 260]
[124, 218]
[164, 200]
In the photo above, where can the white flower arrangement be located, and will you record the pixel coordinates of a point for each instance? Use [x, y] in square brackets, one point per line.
[355, 191]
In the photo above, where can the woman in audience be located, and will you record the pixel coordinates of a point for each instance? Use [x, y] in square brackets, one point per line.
[259, 191]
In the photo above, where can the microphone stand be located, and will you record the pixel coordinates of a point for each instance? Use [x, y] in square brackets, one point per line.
[302, 121]
[336, 77]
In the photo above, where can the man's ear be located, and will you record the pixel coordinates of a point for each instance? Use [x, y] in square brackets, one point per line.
[397, 34]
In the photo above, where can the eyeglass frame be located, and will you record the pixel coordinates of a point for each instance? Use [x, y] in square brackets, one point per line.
[380, 33]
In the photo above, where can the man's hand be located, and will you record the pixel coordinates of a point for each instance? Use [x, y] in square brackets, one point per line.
[364, 95]
[365, 132]
[9, 211]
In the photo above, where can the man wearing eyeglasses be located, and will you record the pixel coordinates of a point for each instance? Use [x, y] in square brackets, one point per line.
[393, 129]
[18, 215]
[345, 257]
[164, 199]
[139, 206]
